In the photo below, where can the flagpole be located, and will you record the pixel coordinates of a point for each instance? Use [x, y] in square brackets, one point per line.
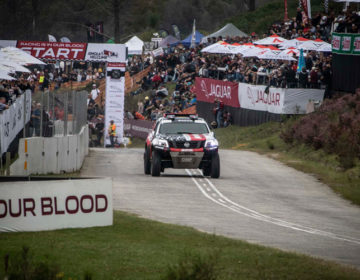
[286, 11]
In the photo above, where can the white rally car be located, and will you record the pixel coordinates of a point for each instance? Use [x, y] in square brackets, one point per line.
[181, 141]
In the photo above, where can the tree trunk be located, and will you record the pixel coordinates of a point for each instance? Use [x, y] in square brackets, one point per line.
[35, 13]
[116, 5]
[252, 5]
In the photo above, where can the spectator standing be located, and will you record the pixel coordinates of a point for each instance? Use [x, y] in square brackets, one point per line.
[95, 91]
[112, 133]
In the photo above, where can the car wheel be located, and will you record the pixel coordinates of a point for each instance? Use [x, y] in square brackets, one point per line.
[207, 171]
[215, 166]
[147, 163]
[156, 164]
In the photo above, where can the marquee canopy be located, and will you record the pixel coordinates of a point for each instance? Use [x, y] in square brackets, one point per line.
[135, 46]
[228, 30]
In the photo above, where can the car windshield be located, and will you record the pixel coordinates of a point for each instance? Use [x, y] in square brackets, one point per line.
[183, 127]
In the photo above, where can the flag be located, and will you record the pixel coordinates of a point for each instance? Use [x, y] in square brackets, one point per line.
[65, 40]
[176, 31]
[51, 38]
[306, 6]
[193, 37]
[301, 62]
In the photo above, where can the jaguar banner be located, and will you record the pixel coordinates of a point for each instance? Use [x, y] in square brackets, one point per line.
[209, 90]
[258, 97]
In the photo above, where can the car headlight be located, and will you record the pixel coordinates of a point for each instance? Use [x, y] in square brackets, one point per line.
[211, 144]
[160, 143]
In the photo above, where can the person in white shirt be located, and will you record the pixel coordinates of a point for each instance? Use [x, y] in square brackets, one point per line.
[95, 92]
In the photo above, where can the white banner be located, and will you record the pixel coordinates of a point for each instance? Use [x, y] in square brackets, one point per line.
[254, 97]
[49, 205]
[158, 52]
[106, 52]
[298, 100]
[278, 100]
[114, 101]
[12, 120]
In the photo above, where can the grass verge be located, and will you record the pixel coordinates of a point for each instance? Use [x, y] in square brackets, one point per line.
[265, 139]
[136, 248]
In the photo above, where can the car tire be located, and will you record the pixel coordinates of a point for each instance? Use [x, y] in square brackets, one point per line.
[147, 163]
[156, 164]
[215, 166]
[207, 170]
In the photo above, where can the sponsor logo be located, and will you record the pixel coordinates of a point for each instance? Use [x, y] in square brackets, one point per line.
[219, 91]
[335, 42]
[357, 44]
[346, 43]
[259, 96]
[105, 54]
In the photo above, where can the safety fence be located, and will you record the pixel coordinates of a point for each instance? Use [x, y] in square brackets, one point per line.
[58, 113]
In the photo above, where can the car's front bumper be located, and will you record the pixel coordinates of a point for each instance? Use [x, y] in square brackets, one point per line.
[185, 158]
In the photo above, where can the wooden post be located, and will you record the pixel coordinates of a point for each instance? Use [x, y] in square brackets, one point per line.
[7, 163]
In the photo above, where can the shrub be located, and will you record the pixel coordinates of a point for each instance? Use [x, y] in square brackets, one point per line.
[334, 127]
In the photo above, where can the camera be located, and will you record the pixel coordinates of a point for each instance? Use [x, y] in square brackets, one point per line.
[115, 74]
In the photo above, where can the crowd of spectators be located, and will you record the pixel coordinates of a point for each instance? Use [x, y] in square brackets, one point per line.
[10, 90]
[181, 66]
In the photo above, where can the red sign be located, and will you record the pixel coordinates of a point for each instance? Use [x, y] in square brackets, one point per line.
[54, 50]
[207, 90]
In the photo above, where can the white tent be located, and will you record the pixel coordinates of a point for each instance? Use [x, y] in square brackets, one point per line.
[271, 40]
[228, 30]
[275, 55]
[135, 46]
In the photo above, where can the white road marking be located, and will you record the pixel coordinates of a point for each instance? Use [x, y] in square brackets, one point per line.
[227, 203]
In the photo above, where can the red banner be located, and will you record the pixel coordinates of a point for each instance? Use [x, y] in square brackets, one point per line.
[207, 90]
[54, 50]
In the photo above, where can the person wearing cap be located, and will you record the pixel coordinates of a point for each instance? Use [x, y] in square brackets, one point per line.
[94, 92]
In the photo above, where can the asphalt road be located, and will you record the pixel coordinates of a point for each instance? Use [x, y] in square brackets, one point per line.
[256, 199]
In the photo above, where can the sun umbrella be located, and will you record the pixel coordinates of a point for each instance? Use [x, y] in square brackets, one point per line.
[325, 48]
[20, 56]
[311, 45]
[12, 66]
[272, 40]
[4, 76]
[291, 51]
[293, 43]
